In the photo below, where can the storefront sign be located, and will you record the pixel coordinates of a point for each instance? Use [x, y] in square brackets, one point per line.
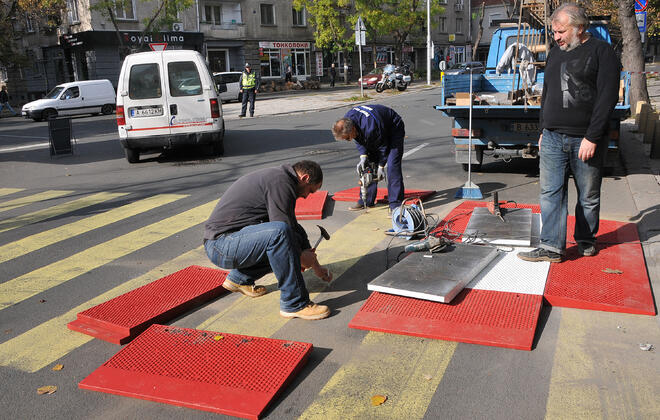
[284, 44]
[319, 63]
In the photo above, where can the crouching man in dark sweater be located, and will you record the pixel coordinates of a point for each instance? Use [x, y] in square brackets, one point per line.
[580, 92]
[253, 231]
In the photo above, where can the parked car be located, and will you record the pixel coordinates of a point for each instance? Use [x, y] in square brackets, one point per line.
[168, 99]
[371, 78]
[464, 68]
[231, 79]
[74, 98]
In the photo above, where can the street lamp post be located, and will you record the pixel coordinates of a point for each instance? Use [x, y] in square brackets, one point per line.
[428, 42]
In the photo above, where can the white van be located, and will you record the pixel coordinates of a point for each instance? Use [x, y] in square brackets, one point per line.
[73, 98]
[167, 99]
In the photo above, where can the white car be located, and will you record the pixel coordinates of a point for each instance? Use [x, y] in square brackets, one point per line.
[232, 81]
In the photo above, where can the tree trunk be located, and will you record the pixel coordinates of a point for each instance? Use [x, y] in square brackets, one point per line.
[632, 57]
[480, 33]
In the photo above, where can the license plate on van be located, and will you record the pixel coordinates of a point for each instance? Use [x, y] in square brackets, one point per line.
[146, 111]
[526, 127]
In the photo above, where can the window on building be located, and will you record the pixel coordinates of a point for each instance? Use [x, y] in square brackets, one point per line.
[298, 17]
[300, 61]
[124, 9]
[271, 63]
[212, 13]
[267, 14]
[442, 27]
[459, 25]
[231, 13]
[72, 10]
[29, 26]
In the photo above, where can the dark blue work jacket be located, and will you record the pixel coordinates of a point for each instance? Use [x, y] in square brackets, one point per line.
[379, 129]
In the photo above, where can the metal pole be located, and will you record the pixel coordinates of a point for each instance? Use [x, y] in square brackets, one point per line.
[360, 54]
[470, 134]
[428, 42]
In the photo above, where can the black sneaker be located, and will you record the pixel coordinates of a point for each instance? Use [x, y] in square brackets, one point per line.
[540, 254]
[358, 208]
[241, 116]
[586, 249]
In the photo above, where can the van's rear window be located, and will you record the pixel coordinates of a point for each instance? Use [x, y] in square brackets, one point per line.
[144, 81]
[184, 79]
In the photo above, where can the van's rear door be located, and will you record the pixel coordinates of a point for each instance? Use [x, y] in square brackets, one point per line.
[145, 107]
[188, 93]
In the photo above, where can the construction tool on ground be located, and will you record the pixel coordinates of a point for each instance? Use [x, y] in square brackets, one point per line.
[367, 176]
[431, 243]
[494, 207]
[324, 235]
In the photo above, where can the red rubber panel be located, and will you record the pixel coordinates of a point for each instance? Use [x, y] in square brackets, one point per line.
[353, 194]
[311, 208]
[230, 374]
[580, 282]
[485, 317]
[121, 319]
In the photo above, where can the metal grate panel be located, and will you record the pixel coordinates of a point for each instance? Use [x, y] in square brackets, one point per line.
[579, 282]
[229, 374]
[474, 316]
[353, 194]
[311, 208]
[120, 319]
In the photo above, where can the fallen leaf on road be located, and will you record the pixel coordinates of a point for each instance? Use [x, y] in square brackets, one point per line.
[218, 338]
[48, 389]
[611, 271]
[428, 377]
[378, 400]
[58, 367]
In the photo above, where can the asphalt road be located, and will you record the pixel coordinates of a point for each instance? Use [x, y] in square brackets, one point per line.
[583, 364]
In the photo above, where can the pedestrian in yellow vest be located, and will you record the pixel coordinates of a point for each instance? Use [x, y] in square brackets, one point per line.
[249, 88]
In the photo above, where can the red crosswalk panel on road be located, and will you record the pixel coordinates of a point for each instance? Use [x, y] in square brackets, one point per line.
[353, 194]
[311, 208]
[121, 319]
[230, 374]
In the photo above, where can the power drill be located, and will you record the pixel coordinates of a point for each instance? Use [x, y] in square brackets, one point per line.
[432, 243]
[367, 177]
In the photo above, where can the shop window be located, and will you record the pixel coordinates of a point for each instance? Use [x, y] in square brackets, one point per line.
[144, 81]
[300, 61]
[212, 13]
[124, 10]
[72, 10]
[231, 13]
[184, 79]
[298, 17]
[267, 14]
[271, 63]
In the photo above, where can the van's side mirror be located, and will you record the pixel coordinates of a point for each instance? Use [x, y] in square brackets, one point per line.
[443, 66]
[222, 87]
[123, 93]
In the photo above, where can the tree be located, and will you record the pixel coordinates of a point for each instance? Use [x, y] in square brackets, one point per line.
[632, 57]
[164, 14]
[45, 14]
[480, 32]
[328, 18]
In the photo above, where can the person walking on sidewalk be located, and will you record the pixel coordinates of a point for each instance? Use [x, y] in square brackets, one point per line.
[249, 87]
[4, 101]
[333, 74]
[253, 231]
[579, 94]
[378, 132]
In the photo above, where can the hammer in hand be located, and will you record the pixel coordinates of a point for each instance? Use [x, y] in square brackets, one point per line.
[324, 235]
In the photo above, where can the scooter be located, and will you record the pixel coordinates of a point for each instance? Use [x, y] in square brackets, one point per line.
[393, 77]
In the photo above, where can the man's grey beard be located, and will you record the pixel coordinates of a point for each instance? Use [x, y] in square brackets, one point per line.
[577, 40]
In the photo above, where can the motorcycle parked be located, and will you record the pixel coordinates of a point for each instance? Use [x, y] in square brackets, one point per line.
[394, 77]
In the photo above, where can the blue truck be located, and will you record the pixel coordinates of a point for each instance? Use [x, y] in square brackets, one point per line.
[505, 117]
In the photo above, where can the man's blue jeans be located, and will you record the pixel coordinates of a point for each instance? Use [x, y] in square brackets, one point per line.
[6, 105]
[395, 188]
[255, 251]
[559, 158]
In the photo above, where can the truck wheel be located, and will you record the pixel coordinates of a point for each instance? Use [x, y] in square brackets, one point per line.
[475, 167]
[380, 87]
[132, 155]
[402, 86]
[107, 109]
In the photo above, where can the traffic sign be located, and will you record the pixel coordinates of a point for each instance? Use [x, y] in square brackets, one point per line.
[158, 46]
[640, 5]
[360, 32]
[641, 21]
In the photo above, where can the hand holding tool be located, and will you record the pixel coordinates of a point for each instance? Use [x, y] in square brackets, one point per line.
[362, 164]
[381, 173]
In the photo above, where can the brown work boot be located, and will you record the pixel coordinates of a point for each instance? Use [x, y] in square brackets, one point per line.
[311, 311]
[247, 289]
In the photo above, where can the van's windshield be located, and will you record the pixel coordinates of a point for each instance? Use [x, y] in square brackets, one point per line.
[53, 94]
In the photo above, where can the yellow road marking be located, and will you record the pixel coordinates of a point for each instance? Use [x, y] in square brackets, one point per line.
[598, 369]
[49, 237]
[42, 279]
[407, 370]
[24, 201]
[7, 191]
[44, 344]
[260, 316]
[37, 216]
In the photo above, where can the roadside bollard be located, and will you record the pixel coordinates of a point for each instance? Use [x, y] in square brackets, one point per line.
[649, 126]
[638, 112]
[640, 119]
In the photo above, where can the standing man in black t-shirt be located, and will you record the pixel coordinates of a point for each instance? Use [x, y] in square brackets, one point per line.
[580, 92]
